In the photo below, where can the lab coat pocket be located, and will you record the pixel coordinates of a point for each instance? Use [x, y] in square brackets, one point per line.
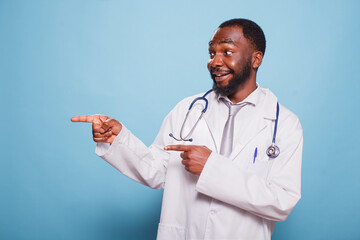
[167, 231]
[258, 163]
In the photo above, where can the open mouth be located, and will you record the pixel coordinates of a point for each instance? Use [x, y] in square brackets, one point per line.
[220, 76]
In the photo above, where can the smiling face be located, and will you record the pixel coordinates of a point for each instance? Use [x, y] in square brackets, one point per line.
[230, 63]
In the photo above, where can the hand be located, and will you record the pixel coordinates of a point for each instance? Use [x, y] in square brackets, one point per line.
[194, 157]
[105, 129]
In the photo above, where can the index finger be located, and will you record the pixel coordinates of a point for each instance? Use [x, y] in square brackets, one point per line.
[86, 118]
[177, 148]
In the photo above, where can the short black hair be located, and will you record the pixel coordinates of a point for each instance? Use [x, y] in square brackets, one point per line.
[251, 31]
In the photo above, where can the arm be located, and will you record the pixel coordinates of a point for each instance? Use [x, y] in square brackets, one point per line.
[127, 153]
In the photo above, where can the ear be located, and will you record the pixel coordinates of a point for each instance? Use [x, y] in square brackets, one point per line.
[257, 57]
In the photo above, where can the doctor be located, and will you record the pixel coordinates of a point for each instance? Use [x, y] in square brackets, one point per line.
[222, 185]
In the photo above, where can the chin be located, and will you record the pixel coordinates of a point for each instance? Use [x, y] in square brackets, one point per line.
[222, 84]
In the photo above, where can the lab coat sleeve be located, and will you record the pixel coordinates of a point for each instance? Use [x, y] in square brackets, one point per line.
[273, 196]
[134, 159]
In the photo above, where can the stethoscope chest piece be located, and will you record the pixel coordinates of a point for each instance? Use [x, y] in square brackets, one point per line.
[273, 151]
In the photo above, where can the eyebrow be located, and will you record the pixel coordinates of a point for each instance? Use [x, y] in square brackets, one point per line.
[224, 41]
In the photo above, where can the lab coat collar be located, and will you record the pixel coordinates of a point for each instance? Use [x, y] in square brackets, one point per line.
[269, 104]
[253, 99]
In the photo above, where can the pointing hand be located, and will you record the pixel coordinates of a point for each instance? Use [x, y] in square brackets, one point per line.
[105, 129]
[193, 157]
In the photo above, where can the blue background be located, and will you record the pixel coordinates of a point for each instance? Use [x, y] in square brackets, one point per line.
[134, 60]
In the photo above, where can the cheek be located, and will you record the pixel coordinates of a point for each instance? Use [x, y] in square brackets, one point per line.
[208, 64]
[236, 64]
[233, 64]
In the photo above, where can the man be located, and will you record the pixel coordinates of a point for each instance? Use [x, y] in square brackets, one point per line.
[221, 184]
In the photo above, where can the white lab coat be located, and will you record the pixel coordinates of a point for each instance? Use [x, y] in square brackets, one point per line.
[233, 198]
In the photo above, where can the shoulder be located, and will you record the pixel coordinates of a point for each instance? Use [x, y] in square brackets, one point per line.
[187, 101]
[289, 121]
[182, 107]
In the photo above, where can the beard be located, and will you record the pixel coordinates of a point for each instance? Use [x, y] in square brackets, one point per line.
[237, 81]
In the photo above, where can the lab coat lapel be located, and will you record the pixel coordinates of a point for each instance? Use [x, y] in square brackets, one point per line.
[265, 111]
[254, 128]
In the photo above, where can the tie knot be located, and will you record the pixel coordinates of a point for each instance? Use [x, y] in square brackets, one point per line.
[234, 108]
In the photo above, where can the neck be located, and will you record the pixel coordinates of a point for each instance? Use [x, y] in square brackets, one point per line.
[244, 90]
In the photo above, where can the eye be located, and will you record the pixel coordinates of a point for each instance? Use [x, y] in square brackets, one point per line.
[228, 52]
[211, 54]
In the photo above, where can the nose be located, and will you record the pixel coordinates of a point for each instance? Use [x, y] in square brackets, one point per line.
[216, 61]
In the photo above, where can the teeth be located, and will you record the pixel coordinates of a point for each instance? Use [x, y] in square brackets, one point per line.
[220, 75]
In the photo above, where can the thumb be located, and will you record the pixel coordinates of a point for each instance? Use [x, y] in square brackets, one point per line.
[115, 125]
[100, 119]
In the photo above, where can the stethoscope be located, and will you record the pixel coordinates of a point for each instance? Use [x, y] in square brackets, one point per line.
[272, 151]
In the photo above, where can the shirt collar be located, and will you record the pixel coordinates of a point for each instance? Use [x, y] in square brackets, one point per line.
[253, 98]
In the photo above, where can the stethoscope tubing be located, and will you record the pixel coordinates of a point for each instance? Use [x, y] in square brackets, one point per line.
[272, 151]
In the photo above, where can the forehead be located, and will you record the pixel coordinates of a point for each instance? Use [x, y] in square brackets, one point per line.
[231, 35]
